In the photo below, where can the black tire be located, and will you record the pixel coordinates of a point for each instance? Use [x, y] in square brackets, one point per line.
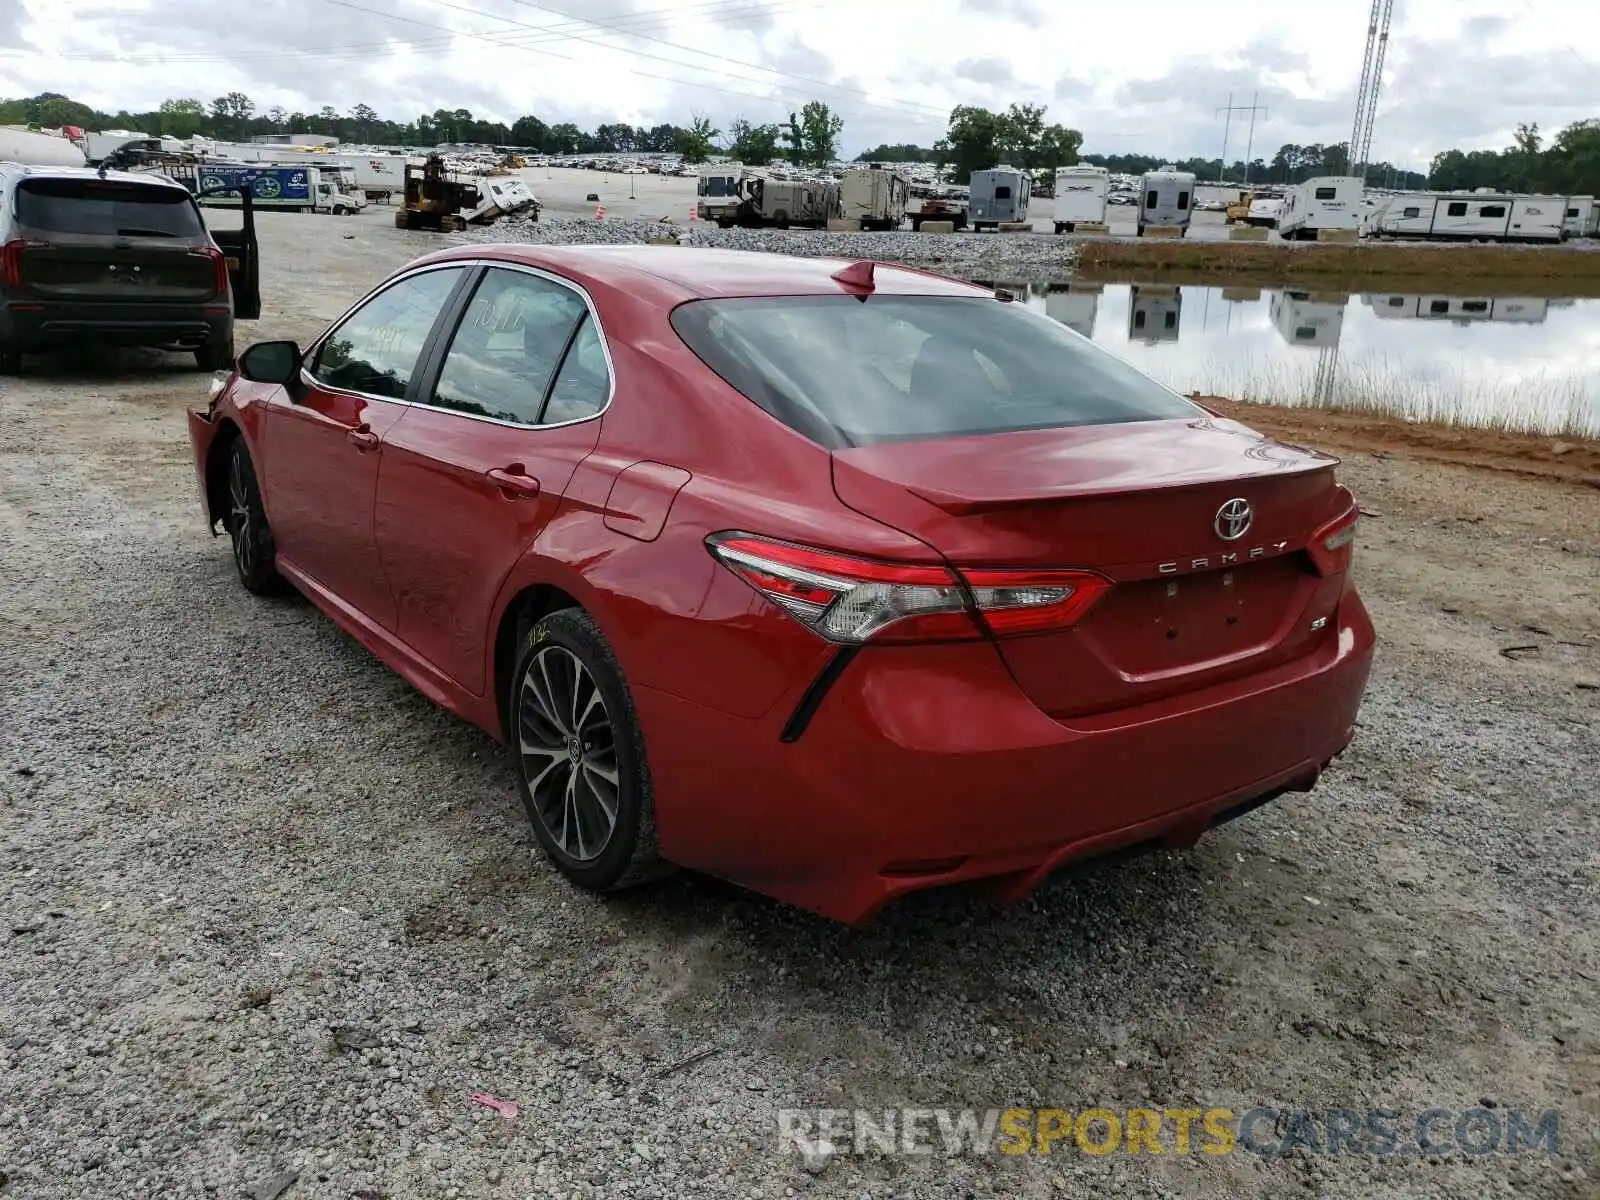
[562, 772]
[215, 356]
[254, 552]
[10, 360]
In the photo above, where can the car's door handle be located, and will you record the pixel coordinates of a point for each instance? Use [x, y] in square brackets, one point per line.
[362, 438]
[513, 481]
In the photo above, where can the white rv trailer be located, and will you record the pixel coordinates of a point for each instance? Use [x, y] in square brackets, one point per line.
[1309, 318]
[1166, 198]
[1154, 313]
[874, 196]
[1473, 216]
[1324, 202]
[1080, 195]
[1512, 310]
[1580, 221]
[1074, 305]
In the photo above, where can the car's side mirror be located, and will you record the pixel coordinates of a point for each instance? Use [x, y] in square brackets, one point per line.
[271, 362]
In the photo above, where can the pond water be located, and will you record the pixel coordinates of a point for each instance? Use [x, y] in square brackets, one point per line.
[1503, 362]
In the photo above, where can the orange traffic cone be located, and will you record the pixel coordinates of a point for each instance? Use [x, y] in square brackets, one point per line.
[599, 212]
[694, 213]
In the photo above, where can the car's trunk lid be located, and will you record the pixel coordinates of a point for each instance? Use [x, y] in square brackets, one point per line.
[1142, 504]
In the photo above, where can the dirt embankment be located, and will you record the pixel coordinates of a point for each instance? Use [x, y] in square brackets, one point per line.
[1523, 266]
[1529, 454]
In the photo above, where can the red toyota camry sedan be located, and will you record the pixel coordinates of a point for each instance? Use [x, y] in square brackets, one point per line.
[834, 579]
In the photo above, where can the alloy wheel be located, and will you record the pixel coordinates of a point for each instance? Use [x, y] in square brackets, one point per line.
[569, 753]
[241, 526]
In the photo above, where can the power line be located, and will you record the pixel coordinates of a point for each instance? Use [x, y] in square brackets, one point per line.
[657, 18]
[708, 54]
[917, 110]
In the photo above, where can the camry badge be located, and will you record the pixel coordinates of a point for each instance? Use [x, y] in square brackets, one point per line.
[1232, 521]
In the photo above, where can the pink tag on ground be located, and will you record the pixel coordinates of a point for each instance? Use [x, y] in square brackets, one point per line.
[506, 1108]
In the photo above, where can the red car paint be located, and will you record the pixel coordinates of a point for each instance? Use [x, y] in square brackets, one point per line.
[1194, 686]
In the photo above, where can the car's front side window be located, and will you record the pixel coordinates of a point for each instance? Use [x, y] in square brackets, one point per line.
[509, 346]
[376, 349]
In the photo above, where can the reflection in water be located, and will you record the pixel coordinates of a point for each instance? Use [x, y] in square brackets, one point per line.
[1515, 362]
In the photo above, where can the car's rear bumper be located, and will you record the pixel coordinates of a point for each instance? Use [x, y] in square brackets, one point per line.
[43, 324]
[202, 432]
[926, 768]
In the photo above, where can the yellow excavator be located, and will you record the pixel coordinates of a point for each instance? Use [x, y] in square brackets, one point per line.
[433, 200]
[1239, 209]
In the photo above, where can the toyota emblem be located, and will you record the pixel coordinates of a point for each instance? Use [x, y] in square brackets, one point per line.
[1233, 520]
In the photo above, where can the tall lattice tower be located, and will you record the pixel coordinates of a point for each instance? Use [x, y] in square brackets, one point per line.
[1371, 83]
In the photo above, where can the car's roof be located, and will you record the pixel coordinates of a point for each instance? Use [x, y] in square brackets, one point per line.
[692, 272]
[34, 172]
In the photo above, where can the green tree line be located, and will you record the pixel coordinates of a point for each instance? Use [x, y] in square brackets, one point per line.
[810, 135]
[1567, 164]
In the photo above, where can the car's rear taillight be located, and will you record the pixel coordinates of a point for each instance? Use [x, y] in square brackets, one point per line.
[219, 268]
[1017, 602]
[853, 600]
[11, 262]
[1333, 546]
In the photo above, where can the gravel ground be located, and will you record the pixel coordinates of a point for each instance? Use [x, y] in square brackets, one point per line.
[988, 256]
[266, 914]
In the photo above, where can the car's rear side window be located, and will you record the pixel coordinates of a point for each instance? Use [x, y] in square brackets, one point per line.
[107, 207]
[847, 372]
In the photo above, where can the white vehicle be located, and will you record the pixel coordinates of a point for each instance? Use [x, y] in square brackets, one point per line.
[35, 149]
[1264, 212]
[501, 197]
[1154, 313]
[1325, 202]
[1166, 198]
[874, 196]
[1581, 213]
[1473, 216]
[378, 176]
[1516, 310]
[1308, 318]
[1074, 305]
[1080, 196]
[719, 192]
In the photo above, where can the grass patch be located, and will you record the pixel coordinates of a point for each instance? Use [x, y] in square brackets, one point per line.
[1550, 405]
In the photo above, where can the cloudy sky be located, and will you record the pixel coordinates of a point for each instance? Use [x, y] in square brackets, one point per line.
[1459, 72]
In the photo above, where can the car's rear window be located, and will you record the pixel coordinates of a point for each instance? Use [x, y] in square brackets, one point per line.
[110, 207]
[848, 372]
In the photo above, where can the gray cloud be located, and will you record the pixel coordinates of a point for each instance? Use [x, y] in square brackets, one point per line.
[1070, 87]
[1028, 12]
[794, 57]
[989, 69]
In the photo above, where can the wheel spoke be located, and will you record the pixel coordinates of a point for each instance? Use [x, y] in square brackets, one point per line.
[604, 793]
[595, 701]
[569, 815]
[606, 771]
[550, 697]
[542, 698]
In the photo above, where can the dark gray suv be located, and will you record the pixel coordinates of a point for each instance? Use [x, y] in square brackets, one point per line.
[117, 257]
